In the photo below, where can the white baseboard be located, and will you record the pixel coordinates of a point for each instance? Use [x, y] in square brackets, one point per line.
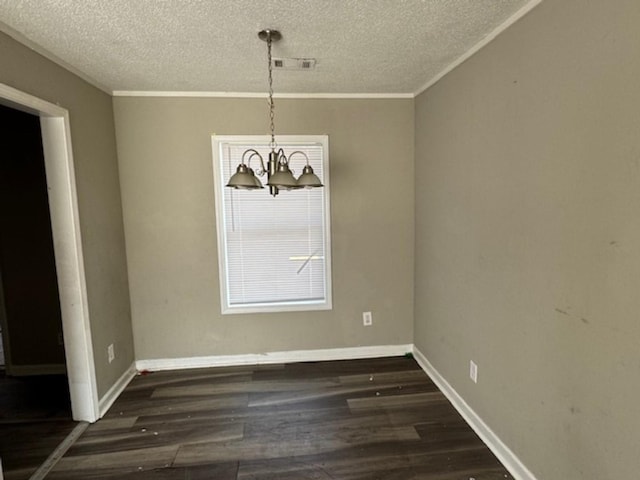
[497, 446]
[116, 389]
[43, 369]
[274, 357]
[511, 462]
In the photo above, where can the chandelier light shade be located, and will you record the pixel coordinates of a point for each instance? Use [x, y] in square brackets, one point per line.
[245, 178]
[279, 175]
[283, 178]
[308, 179]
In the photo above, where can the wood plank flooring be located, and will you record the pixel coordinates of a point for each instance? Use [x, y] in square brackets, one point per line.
[35, 416]
[355, 419]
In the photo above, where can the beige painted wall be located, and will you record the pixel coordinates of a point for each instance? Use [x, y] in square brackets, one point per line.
[528, 236]
[96, 170]
[164, 148]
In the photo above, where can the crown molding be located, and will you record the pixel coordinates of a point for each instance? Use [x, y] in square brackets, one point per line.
[143, 93]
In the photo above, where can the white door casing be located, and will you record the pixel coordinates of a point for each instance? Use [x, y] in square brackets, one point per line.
[67, 245]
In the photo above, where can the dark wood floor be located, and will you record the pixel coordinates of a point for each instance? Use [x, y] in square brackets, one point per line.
[35, 416]
[357, 419]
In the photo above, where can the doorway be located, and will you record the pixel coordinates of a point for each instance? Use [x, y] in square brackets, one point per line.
[32, 322]
[67, 246]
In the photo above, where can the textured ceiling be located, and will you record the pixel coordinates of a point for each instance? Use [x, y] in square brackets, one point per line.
[361, 46]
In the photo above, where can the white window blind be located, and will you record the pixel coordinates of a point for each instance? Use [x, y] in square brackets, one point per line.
[274, 251]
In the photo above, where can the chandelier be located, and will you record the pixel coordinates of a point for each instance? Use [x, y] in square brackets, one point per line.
[279, 175]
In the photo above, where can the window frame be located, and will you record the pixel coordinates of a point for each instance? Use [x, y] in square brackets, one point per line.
[217, 142]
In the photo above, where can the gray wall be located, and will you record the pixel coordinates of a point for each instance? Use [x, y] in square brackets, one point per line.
[96, 170]
[528, 235]
[164, 149]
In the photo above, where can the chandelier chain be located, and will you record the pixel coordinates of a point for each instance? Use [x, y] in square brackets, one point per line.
[271, 105]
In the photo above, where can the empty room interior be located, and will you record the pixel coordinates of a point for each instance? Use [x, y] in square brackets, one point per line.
[478, 219]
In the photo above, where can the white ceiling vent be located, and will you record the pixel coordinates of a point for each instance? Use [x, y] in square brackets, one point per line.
[294, 63]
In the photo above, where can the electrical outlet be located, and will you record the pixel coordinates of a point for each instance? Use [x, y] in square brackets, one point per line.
[473, 371]
[367, 320]
[111, 353]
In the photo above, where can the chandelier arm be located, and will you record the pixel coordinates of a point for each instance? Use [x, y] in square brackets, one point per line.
[250, 150]
[262, 170]
[300, 152]
[282, 158]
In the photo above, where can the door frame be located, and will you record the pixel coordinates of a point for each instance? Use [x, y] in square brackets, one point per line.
[67, 246]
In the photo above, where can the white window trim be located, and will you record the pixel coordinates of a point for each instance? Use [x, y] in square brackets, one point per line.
[219, 178]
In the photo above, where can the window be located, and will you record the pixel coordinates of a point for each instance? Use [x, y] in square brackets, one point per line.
[274, 252]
